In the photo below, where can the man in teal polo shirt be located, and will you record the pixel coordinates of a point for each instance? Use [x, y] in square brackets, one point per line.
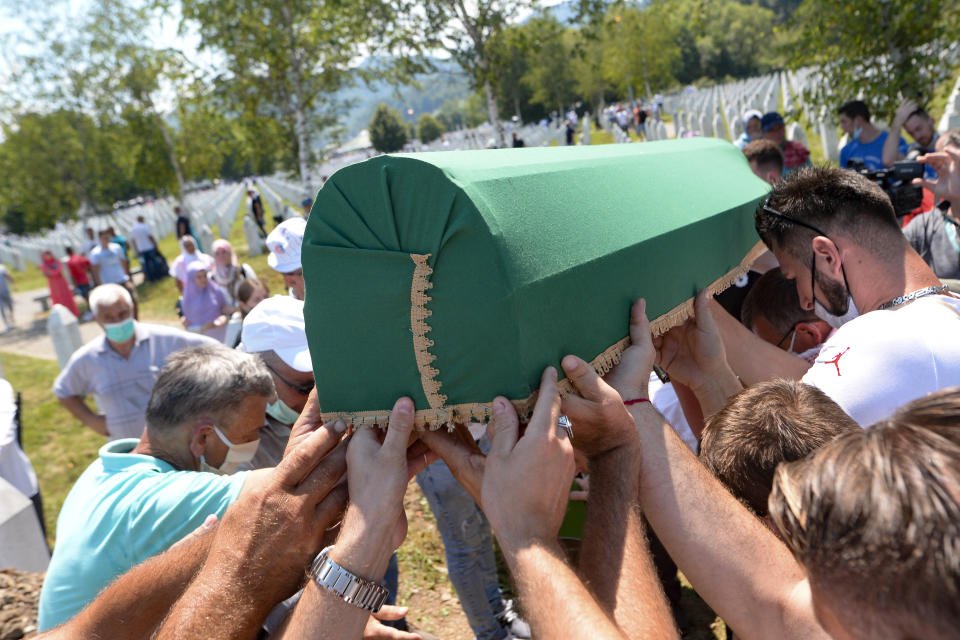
[141, 496]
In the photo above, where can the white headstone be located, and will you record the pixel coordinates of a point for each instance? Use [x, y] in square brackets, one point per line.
[796, 133]
[21, 540]
[64, 333]
[205, 235]
[718, 129]
[828, 140]
[255, 245]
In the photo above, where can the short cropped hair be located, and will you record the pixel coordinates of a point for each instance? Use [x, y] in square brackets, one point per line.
[108, 294]
[765, 424]
[874, 517]
[205, 383]
[834, 200]
[774, 298]
[919, 111]
[855, 108]
[766, 154]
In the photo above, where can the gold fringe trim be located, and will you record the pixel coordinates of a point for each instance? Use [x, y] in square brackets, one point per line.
[418, 322]
[445, 416]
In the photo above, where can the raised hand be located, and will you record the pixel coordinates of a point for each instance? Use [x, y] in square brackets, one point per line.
[906, 107]
[526, 482]
[377, 475]
[947, 165]
[693, 352]
[631, 376]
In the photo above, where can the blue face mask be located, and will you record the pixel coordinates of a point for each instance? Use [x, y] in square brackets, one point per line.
[282, 413]
[119, 331]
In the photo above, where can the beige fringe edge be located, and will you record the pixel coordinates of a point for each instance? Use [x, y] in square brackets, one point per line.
[446, 416]
[419, 313]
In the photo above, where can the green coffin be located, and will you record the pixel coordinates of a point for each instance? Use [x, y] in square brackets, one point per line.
[454, 277]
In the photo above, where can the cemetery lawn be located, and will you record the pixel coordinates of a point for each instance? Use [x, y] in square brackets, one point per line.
[29, 279]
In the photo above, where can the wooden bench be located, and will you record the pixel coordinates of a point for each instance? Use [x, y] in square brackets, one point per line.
[44, 300]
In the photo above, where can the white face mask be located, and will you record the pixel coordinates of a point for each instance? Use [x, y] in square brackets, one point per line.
[237, 454]
[833, 320]
[280, 412]
[810, 354]
[856, 132]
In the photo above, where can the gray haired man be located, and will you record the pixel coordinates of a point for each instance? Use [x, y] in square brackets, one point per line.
[141, 496]
[119, 367]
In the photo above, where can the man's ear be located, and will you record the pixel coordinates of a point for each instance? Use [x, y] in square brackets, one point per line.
[827, 255]
[198, 439]
[772, 176]
[809, 335]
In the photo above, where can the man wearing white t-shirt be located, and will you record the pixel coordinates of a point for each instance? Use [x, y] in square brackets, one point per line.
[110, 266]
[898, 330]
[145, 245]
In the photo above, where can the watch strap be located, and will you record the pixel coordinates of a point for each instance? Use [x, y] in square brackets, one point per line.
[351, 588]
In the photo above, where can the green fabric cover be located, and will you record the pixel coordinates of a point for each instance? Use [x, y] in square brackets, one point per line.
[536, 253]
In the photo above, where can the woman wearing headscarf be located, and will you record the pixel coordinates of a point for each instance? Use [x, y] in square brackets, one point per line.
[59, 287]
[205, 308]
[227, 272]
[189, 254]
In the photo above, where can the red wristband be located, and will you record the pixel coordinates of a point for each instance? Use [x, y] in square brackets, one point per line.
[635, 401]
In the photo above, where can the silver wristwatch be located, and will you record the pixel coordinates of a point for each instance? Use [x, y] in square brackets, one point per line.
[351, 588]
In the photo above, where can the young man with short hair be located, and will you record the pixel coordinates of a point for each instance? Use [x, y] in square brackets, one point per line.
[866, 141]
[836, 236]
[874, 518]
[765, 159]
[765, 424]
[913, 119]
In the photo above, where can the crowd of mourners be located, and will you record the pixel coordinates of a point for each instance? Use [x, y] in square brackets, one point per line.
[793, 449]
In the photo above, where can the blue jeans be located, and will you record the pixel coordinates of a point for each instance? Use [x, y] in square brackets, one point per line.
[152, 269]
[468, 543]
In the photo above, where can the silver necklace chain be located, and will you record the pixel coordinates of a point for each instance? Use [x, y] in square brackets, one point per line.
[919, 293]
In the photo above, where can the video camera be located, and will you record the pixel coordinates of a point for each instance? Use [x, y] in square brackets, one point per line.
[896, 182]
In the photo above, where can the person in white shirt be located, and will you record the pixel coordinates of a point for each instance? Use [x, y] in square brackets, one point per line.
[119, 367]
[15, 466]
[110, 266]
[145, 245]
[284, 246]
[835, 235]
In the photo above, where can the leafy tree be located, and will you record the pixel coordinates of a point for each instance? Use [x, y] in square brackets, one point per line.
[511, 53]
[388, 131]
[428, 128]
[287, 60]
[882, 50]
[40, 156]
[99, 65]
[549, 74]
[640, 47]
[452, 114]
[466, 31]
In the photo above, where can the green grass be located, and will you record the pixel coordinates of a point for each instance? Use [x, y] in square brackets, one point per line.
[59, 446]
[599, 136]
[28, 279]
